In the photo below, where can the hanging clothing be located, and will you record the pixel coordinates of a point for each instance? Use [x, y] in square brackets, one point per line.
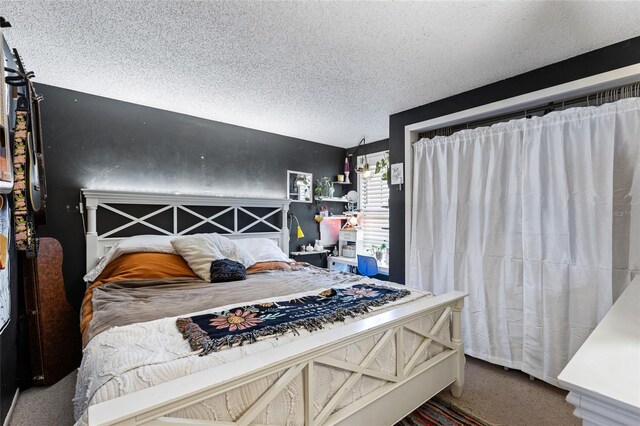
[539, 221]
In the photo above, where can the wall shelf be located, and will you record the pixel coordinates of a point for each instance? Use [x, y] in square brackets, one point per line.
[343, 216]
[334, 199]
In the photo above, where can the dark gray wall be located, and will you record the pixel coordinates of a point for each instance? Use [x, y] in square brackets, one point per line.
[595, 62]
[94, 142]
[369, 148]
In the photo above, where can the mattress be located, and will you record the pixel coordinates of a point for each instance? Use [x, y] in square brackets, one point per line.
[124, 359]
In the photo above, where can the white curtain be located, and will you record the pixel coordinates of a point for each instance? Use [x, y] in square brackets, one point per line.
[539, 221]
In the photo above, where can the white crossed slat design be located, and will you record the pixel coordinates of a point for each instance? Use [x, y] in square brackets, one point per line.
[309, 383]
[400, 353]
[203, 220]
[252, 412]
[258, 219]
[135, 220]
[206, 220]
[356, 368]
[427, 341]
[268, 396]
[247, 417]
[433, 337]
[353, 378]
[162, 415]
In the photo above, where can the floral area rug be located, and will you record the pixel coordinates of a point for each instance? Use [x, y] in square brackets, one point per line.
[244, 324]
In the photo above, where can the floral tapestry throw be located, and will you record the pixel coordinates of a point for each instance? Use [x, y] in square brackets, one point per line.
[212, 332]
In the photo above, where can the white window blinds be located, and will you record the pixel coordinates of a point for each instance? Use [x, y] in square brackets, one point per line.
[374, 204]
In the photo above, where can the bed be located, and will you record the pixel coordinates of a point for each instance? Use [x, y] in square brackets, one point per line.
[372, 368]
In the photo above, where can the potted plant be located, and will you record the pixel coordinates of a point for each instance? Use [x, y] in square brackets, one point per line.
[379, 252]
[324, 189]
[383, 166]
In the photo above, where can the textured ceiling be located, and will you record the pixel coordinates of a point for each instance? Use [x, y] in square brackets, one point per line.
[329, 72]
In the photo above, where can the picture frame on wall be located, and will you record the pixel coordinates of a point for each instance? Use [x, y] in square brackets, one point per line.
[299, 186]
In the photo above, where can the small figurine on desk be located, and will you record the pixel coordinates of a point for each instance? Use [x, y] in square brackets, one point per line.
[352, 222]
[309, 248]
[318, 246]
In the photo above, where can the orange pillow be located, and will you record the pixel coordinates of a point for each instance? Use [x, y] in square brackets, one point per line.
[269, 266]
[135, 266]
[140, 266]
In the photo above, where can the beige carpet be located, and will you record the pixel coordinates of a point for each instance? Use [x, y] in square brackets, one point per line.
[509, 398]
[46, 406]
[499, 397]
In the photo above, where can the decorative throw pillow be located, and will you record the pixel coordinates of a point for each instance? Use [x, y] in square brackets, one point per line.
[199, 250]
[269, 266]
[135, 244]
[227, 270]
[263, 249]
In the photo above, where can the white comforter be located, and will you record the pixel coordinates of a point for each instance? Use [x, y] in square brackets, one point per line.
[126, 359]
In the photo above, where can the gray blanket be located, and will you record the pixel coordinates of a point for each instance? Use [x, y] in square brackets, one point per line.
[127, 302]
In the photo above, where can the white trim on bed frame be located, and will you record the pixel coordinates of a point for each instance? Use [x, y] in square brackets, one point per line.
[412, 384]
[98, 245]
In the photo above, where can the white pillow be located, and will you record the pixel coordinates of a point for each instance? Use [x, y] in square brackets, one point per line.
[199, 250]
[263, 249]
[135, 244]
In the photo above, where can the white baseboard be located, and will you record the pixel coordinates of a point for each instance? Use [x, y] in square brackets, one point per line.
[13, 406]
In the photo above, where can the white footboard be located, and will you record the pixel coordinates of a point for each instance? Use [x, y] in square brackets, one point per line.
[415, 380]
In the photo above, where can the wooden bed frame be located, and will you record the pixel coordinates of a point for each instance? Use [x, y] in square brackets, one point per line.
[412, 384]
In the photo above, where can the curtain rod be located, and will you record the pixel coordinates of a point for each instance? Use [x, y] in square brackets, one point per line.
[593, 99]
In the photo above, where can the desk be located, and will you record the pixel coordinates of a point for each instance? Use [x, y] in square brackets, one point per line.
[352, 263]
[603, 377]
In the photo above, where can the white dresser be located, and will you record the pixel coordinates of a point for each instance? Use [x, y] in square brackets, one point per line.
[603, 377]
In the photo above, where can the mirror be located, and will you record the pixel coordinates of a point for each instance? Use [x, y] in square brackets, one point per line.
[352, 198]
[299, 186]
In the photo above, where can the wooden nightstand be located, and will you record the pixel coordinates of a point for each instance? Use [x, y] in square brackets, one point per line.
[316, 258]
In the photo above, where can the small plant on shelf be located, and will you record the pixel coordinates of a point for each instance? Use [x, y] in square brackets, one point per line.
[379, 251]
[324, 189]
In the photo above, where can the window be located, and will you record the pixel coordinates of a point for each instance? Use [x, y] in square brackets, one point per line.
[374, 204]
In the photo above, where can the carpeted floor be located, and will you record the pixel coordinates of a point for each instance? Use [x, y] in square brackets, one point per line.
[500, 397]
[46, 406]
[509, 398]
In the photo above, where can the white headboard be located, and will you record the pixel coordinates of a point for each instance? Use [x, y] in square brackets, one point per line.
[174, 206]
